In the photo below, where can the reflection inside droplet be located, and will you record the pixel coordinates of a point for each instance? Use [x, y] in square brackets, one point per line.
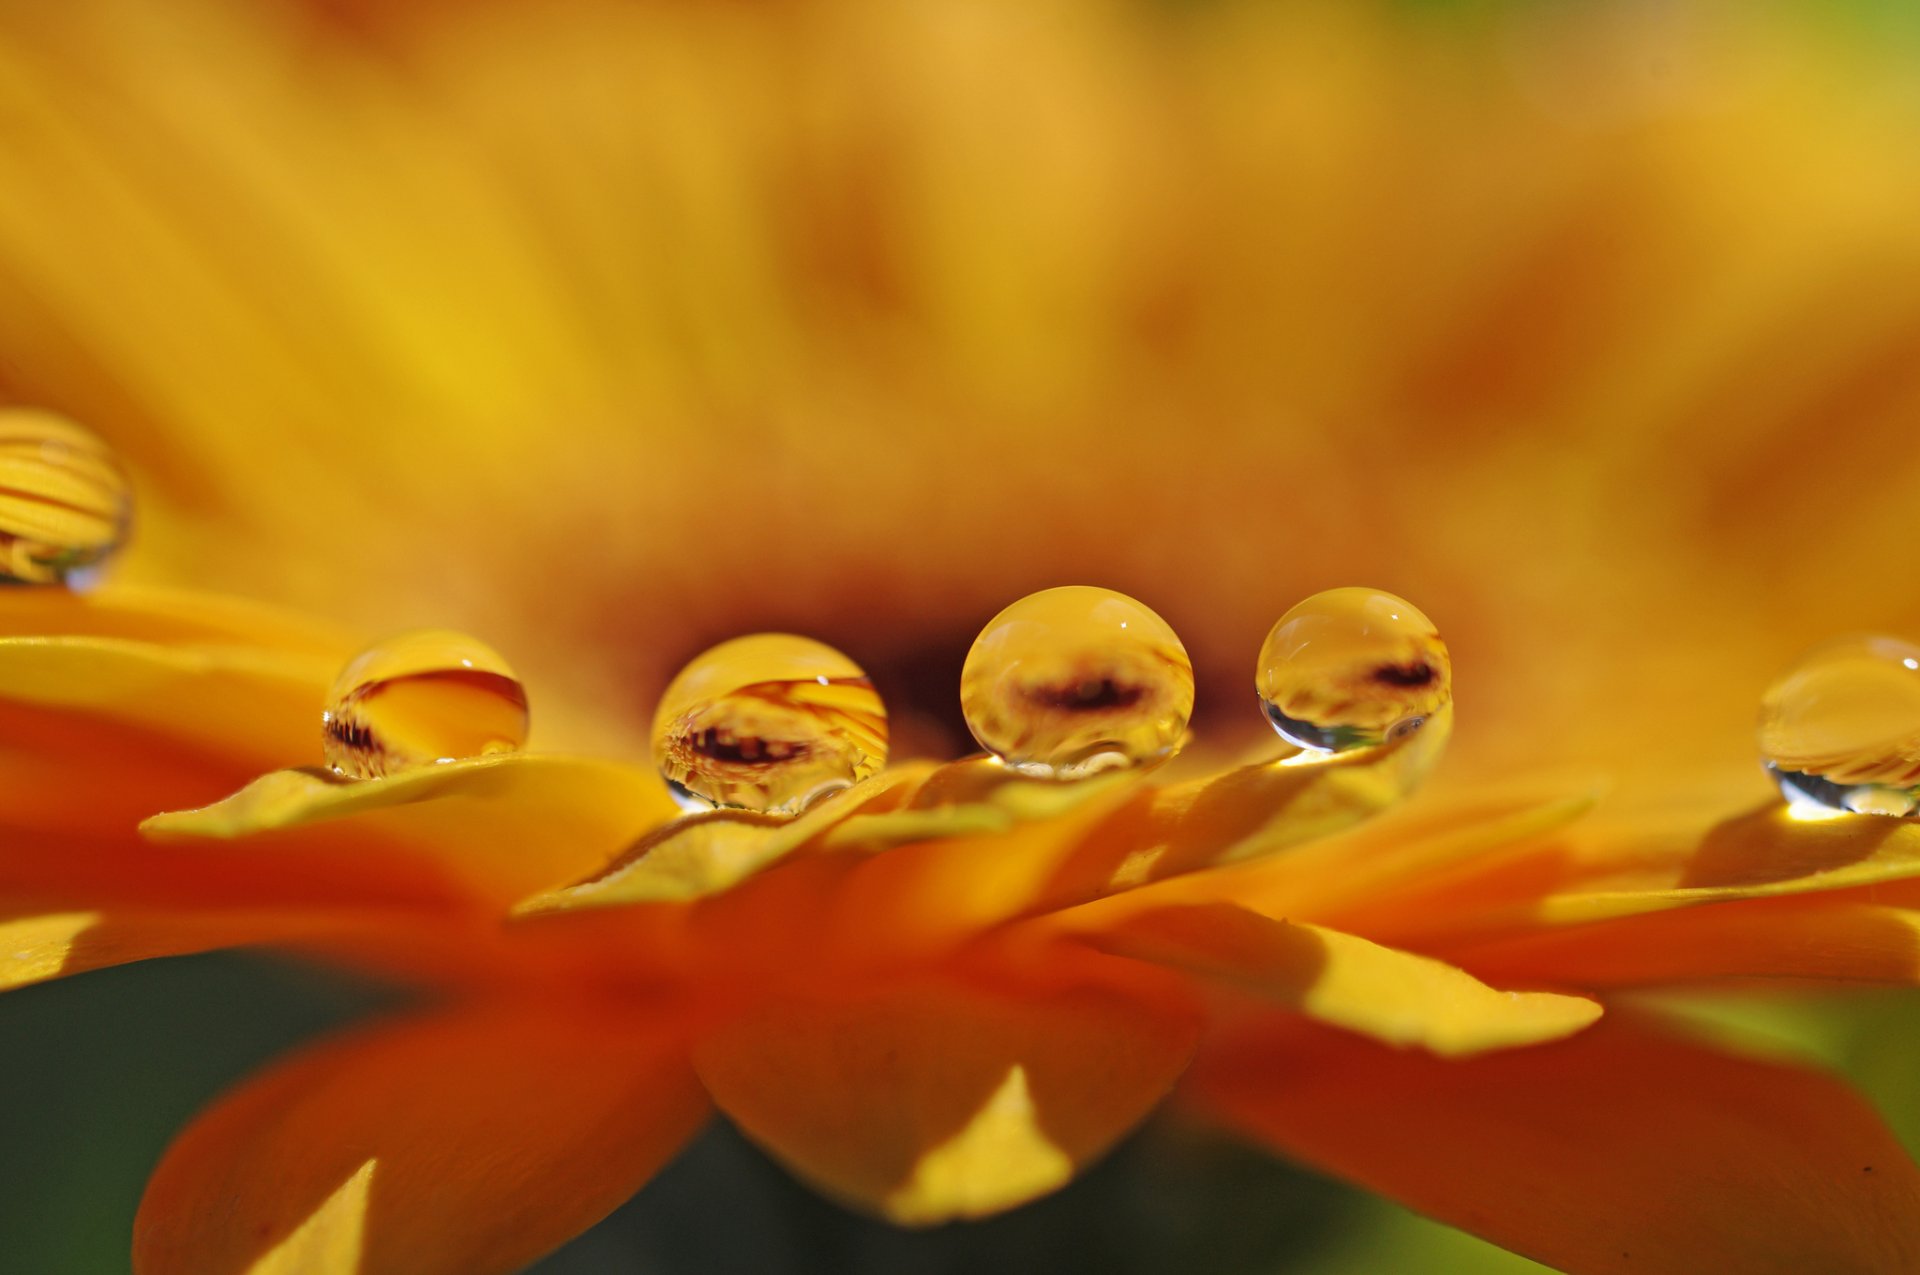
[1352, 668]
[1841, 729]
[421, 698]
[65, 503]
[771, 722]
[1071, 681]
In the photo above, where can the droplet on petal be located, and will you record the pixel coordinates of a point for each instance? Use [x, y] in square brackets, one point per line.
[418, 699]
[770, 722]
[1072, 681]
[1352, 668]
[1841, 729]
[65, 503]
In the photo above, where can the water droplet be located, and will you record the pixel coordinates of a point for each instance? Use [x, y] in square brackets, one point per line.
[771, 722]
[421, 698]
[1352, 668]
[1841, 729]
[65, 503]
[1071, 681]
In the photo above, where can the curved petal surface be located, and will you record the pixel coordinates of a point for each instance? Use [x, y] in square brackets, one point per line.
[1342, 980]
[503, 826]
[466, 1144]
[939, 1099]
[1623, 1149]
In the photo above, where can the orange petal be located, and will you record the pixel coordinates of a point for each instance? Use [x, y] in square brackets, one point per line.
[966, 844]
[457, 1145]
[705, 854]
[1259, 810]
[1345, 981]
[1244, 814]
[1381, 858]
[1610, 870]
[1769, 938]
[937, 1100]
[1623, 1149]
[501, 826]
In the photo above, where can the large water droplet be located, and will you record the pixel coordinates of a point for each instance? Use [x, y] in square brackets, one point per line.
[65, 503]
[1071, 681]
[771, 722]
[1841, 729]
[421, 698]
[1352, 668]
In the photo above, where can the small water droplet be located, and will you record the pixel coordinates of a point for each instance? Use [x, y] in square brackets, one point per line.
[1352, 668]
[1841, 729]
[1075, 680]
[770, 722]
[420, 698]
[66, 505]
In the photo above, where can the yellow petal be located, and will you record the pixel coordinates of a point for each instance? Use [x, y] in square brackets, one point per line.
[169, 618]
[1260, 810]
[500, 827]
[705, 854]
[1609, 870]
[1622, 1149]
[1767, 851]
[934, 1100]
[37, 946]
[1846, 939]
[228, 701]
[467, 1144]
[1248, 813]
[1345, 981]
[942, 812]
[1380, 859]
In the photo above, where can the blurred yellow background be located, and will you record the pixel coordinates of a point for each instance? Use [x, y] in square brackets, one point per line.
[611, 329]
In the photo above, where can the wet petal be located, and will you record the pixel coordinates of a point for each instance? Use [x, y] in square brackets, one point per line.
[1623, 1149]
[1395, 997]
[458, 1145]
[935, 1099]
[502, 826]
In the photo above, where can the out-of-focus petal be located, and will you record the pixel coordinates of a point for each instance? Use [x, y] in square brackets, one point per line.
[935, 1099]
[37, 946]
[168, 617]
[459, 1145]
[1345, 981]
[1623, 1149]
[94, 726]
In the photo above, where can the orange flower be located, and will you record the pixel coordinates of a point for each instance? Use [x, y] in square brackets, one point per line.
[939, 994]
[608, 329]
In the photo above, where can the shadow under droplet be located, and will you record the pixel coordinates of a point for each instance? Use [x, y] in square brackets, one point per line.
[1767, 845]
